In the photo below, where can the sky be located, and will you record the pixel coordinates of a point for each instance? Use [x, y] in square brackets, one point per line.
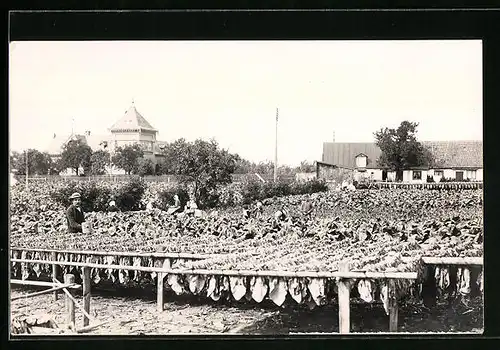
[229, 90]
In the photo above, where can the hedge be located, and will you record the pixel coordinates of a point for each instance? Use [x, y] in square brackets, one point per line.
[253, 190]
[97, 195]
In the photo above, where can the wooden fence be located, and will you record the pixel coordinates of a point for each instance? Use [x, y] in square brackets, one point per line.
[428, 185]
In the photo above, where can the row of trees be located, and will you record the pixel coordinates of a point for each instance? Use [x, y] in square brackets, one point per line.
[267, 168]
[78, 155]
[400, 150]
[179, 154]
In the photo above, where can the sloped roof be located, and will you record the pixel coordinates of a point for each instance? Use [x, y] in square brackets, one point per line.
[455, 154]
[95, 141]
[344, 153]
[448, 154]
[55, 146]
[132, 120]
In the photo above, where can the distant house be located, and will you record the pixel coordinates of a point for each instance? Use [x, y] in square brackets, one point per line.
[457, 160]
[131, 128]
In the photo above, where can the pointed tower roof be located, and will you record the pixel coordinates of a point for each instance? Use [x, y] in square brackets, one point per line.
[132, 121]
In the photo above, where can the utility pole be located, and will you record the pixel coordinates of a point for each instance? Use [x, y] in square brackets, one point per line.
[26, 156]
[276, 150]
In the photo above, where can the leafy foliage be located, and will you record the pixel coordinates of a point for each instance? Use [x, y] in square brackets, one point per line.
[400, 148]
[127, 158]
[203, 165]
[254, 190]
[95, 196]
[311, 186]
[129, 196]
[145, 166]
[38, 163]
[76, 153]
[98, 162]
[306, 167]
[166, 197]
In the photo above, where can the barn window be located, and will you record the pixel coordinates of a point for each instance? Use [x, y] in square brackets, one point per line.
[438, 172]
[361, 161]
[417, 175]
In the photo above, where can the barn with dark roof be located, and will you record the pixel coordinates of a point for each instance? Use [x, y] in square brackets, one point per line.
[459, 160]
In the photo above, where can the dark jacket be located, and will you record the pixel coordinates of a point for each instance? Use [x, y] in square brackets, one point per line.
[74, 218]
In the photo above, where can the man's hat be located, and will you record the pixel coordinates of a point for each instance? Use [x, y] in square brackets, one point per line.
[75, 195]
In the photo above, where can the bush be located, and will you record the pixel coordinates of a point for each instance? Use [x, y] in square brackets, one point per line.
[311, 186]
[208, 197]
[251, 191]
[230, 196]
[95, 196]
[430, 179]
[166, 197]
[129, 196]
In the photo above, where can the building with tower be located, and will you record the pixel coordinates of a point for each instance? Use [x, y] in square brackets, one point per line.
[131, 128]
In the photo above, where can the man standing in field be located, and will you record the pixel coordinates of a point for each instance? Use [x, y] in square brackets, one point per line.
[74, 214]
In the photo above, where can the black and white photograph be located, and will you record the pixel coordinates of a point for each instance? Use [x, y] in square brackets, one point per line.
[206, 187]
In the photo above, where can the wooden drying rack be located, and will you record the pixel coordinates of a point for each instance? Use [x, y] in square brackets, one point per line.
[343, 276]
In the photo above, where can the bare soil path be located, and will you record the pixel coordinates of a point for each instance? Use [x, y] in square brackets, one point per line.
[137, 315]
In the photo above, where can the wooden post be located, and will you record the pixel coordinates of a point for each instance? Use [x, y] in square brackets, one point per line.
[344, 292]
[54, 273]
[393, 307]
[86, 294]
[159, 296]
[70, 305]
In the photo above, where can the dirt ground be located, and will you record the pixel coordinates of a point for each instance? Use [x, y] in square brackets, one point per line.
[132, 314]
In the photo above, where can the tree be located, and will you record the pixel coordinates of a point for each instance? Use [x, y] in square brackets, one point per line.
[400, 148]
[76, 154]
[265, 168]
[98, 162]
[145, 167]
[127, 157]
[38, 163]
[306, 167]
[244, 166]
[56, 166]
[203, 165]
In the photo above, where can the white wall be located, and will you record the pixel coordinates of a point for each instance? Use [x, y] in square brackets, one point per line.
[375, 174]
[479, 175]
[408, 176]
[449, 173]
